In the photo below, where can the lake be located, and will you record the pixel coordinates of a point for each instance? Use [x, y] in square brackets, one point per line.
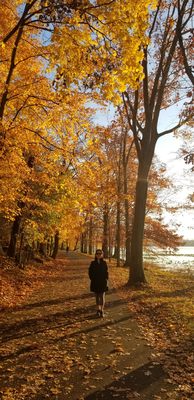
[183, 258]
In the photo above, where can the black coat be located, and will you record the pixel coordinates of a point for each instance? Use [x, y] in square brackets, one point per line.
[98, 274]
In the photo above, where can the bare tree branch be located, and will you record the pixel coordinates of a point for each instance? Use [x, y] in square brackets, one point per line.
[181, 123]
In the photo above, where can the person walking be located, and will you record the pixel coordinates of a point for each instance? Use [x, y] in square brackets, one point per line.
[98, 274]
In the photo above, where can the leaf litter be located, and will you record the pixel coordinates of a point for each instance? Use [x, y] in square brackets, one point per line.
[61, 351]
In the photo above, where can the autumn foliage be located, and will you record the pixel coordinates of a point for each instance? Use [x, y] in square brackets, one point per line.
[63, 177]
[68, 181]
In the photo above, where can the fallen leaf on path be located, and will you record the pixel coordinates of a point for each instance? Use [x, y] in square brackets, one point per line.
[55, 391]
[147, 373]
[136, 394]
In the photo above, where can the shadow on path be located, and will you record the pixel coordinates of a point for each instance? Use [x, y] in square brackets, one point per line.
[51, 302]
[56, 320]
[136, 381]
[63, 336]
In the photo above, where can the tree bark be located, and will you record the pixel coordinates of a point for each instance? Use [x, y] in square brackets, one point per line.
[127, 224]
[118, 233]
[12, 62]
[76, 244]
[56, 245]
[1, 250]
[43, 249]
[82, 243]
[105, 231]
[20, 261]
[90, 235]
[137, 275]
[85, 243]
[51, 245]
[11, 252]
[109, 242]
[128, 234]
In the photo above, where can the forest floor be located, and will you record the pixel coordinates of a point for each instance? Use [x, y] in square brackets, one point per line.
[54, 347]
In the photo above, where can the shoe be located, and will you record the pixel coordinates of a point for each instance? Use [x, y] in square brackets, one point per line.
[98, 313]
[102, 314]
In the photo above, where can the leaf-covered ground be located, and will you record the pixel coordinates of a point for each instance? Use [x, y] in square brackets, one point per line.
[164, 311]
[54, 347]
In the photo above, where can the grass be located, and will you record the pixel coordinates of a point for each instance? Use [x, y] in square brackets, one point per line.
[173, 290]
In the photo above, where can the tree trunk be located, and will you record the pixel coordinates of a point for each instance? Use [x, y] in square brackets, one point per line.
[76, 244]
[20, 261]
[115, 250]
[105, 231]
[11, 252]
[127, 224]
[118, 213]
[85, 243]
[109, 242]
[136, 262]
[90, 235]
[56, 245]
[82, 243]
[128, 234]
[43, 249]
[118, 233]
[51, 245]
[1, 250]
[12, 66]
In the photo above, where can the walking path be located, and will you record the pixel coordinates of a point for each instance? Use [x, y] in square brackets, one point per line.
[54, 347]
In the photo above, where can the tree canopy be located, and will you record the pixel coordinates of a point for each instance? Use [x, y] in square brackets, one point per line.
[63, 174]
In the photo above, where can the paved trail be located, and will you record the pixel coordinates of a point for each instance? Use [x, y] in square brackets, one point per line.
[54, 347]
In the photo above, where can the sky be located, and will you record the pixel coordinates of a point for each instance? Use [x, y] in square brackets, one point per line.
[183, 179]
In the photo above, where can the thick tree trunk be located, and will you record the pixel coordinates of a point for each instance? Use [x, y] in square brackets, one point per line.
[136, 262]
[56, 245]
[11, 252]
[105, 231]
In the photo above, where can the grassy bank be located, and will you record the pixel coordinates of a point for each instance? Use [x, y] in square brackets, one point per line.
[171, 289]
